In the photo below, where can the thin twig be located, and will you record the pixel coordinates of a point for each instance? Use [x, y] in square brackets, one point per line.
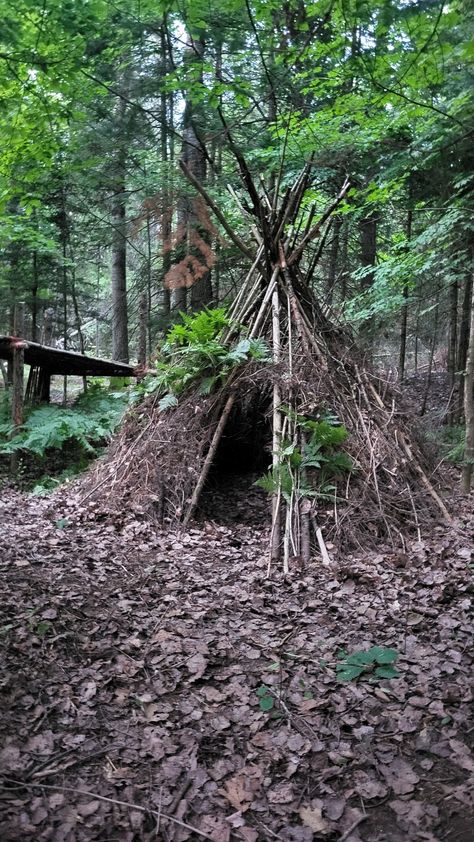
[353, 826]
[129, 804]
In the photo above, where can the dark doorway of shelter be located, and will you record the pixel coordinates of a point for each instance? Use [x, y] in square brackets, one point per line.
[244, 454]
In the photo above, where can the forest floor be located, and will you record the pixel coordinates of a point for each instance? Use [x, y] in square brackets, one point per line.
[134, 668]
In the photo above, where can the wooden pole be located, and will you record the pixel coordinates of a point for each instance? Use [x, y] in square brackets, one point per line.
[469, 408]
[209, 458]
[275, 541]
[18, 359]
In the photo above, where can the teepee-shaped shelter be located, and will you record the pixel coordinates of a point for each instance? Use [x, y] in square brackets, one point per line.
[316, 382]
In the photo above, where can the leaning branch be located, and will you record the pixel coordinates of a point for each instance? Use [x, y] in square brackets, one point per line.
[216, 211]
[314, 231]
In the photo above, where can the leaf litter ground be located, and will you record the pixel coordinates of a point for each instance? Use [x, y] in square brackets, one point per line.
[136, 662]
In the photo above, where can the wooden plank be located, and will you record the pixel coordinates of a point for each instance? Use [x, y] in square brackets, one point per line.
[57, 361]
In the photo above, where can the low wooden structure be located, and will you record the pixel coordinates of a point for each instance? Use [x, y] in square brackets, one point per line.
[44, 362]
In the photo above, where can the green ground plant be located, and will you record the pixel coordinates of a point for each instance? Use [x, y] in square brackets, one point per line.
[450, 442]
[309, 462]
[85, 426]
[374, 663]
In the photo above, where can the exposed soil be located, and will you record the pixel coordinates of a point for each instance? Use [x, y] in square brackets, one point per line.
[133, 668]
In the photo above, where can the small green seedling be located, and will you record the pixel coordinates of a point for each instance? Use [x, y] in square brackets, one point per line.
[42, 628]
[376, 662]
[265, 698]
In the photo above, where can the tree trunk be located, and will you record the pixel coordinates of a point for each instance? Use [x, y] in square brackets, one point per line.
[18, 382]
[179, 301]
[167, 199]
[403, 336]
[62, 223]
[14, 279]
[344, 237]
[197, 240]
[77, 315]
[453, 332]
[430, 364]
[368, 246]
[404, 314]
[34, 299]
[469, 406]
[368, 255]
[48, 326]
[463, 344]
[119, 264]
[143, 325]
[333, 259]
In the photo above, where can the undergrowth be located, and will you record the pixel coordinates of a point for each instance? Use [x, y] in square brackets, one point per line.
[78, 432]
[309, 462]
[194, 352]
[450, 442]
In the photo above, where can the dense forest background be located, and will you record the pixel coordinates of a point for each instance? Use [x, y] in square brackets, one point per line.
[100, 102]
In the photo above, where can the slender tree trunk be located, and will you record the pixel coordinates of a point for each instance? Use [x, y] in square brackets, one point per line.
[468, 465]
[62, 223]
[344, 261]
[18, 382]
[452, 347]
[146, 297]
[404, 314]
[417, 341]
[403, 336]
[167, 199]
[77, 315]
[430, 364]
[77, 319]
[34, 298]
[143, 332]
[97, 303]
[14, 286]
[453, 332]
[368, 256]
[463, 344]
[119, 264]
[368, 246]
[333, 259]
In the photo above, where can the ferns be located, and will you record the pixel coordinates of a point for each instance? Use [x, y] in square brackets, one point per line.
[319, 451]
[193, 351]
[91, 421]
[198, 328]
